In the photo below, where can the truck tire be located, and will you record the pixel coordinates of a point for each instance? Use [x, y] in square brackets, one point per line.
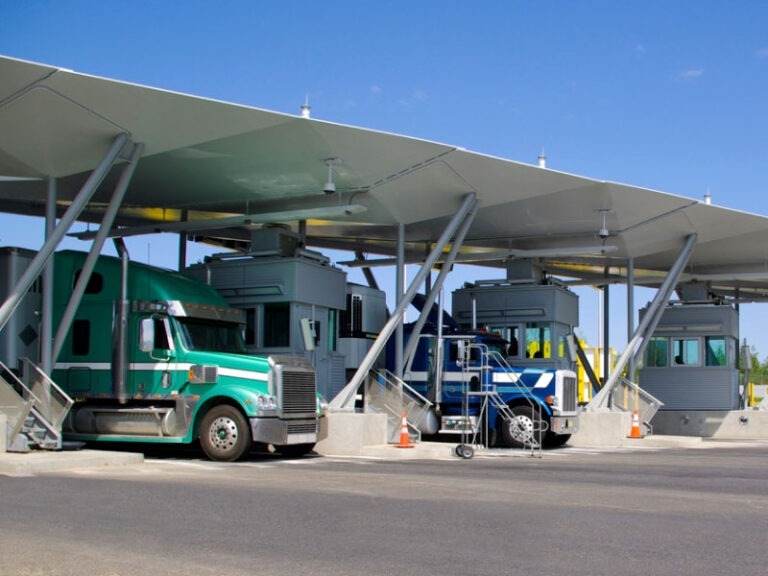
[523, 431]
[224, 433]
[294, 450]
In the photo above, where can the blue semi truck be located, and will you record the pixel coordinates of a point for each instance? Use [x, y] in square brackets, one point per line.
[477, 388]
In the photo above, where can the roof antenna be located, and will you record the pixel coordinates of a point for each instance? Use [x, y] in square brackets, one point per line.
[708, 197]
[542, 159]
[305, 108]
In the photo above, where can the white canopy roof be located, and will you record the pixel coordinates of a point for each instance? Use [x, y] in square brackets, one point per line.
[213, 159]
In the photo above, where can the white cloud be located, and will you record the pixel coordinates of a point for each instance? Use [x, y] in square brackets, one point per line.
[640, 49]
[689, 75]
[414, 98]
[762, 53]
[375, 89]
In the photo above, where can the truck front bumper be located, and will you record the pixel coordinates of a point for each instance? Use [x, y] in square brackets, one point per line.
[564, 424]
[284, 432]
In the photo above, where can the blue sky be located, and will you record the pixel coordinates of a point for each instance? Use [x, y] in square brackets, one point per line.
[667, 95]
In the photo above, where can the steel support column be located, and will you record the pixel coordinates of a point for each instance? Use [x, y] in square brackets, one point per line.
[437, 288]
[648, 323]
[631, 313]
[183, 244]
[606, 332]
[35, 267]
[46, 319]
[345, 398]
[93, 255]
[399, 289]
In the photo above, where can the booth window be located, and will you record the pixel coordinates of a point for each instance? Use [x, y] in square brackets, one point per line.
[277, 325]
[333, 329]
[715, 350]
[538, 338]
[656, 355]
[512, 335]
[685, 351]
[250, 326]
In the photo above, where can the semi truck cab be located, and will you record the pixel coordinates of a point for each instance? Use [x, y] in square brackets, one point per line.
[169, 365]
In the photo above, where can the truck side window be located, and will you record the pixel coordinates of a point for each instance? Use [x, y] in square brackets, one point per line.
[95, 282]
[153, 335]
[162, 342]
[81, 337]
[453, 353]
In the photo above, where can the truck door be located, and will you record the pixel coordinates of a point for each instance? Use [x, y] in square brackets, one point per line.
[150, 371]
[457, 377]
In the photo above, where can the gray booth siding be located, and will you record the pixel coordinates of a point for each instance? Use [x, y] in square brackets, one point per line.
[690, 362]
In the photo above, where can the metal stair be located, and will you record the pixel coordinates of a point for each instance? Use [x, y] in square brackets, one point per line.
[35, 408]
[532, 436]
[385, 393]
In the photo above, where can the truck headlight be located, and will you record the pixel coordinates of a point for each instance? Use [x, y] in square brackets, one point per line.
[265, 402]
[553, 401]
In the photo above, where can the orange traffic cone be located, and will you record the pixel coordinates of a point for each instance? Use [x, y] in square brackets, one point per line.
[635, 431]
[405, 439]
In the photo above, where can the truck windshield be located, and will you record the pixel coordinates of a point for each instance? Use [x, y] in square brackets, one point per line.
[211, 336]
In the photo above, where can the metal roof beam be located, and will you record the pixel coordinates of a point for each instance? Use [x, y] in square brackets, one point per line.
[98, 243]
[647, 325]
[346, 396]
[81, 200]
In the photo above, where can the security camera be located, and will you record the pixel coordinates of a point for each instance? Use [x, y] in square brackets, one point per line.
[329, 187]
[603, 233]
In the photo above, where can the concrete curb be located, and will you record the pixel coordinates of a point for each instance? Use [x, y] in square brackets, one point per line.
[41, 461]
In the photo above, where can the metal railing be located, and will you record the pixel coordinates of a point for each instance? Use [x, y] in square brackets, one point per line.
[36, 407]
[13, 406]
[387, 394]
[49, 400]
[628, 397]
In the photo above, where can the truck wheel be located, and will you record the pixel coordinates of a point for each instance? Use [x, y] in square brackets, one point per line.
[294, 450]
[522, 431]
[224, 433]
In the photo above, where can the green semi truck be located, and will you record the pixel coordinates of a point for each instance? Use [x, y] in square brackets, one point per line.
[155, 356]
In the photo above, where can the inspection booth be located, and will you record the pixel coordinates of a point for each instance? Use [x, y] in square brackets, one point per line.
[534, 315]
[691, 358]
[292, 298]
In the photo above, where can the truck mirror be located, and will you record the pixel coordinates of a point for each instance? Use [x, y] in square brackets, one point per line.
[147, 335]
[462, 352]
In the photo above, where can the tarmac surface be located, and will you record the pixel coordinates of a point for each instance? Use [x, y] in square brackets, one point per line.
[40, 461]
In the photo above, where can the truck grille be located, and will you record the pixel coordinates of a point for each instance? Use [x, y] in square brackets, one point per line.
[569, 394]
[298, 392]
[302, 428]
